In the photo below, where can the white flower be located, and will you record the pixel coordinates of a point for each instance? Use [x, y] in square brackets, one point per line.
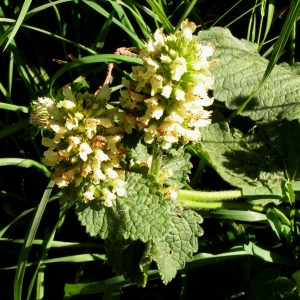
[151, 133]
[179, 94]
[58, 128]
[108, 196]
[166, 91]
[72, 123]
[46, 102]
[60, 181]
[178, 68]
[187, 29]
[156, 82]
[67, 104]
[100, 155]
[118, 187]
[89, 193]
[84, 150]
[157, 112]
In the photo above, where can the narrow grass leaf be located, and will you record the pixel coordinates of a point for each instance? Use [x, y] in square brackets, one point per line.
[19, 21]
[71, 258]
[24, 163]
[103, 12]
[270, 15]
[226, 13]
[24, 213]
[270, 256]
[105, 58]
[117, 282]
[238, 215]
[158, 10]
[39, 272]
[204, 259]
[102, 35]
[54, 244]
[13, 107]
[14, 128]
[20, 272]
[60, 38]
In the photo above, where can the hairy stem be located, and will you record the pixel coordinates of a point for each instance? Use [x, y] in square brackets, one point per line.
[197, 196]
[221, 205]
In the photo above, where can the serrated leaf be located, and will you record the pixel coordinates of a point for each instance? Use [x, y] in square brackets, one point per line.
[172, 252]
[257, 163]
[141, 214]
[238, 73]
[125, 257]
[269, 285]
[178, 161]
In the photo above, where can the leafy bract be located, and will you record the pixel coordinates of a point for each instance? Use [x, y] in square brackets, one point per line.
[141, 214]
[238, 72]
[269, 285]
[257, 163]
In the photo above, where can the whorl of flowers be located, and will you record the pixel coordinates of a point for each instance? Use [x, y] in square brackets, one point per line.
[166, 99]
[85, 144]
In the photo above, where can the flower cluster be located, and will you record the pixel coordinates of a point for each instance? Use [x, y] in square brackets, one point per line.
[166, 99]
[84, 147]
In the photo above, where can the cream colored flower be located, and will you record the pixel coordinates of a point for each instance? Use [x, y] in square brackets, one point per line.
[108, 197]
[84, 150]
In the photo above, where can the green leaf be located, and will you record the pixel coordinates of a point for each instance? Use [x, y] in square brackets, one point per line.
[269, 285]
[141, 214]
[125, 256]
[238, 72]
[257, 163]
[172, 252]
[179, 162]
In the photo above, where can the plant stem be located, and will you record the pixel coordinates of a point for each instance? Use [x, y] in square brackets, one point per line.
[156, 160]
[221, 205]
[197, 196]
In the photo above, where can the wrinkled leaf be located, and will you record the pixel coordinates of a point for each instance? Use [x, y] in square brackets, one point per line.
[238, 73]
[257, 163]
[141, 214]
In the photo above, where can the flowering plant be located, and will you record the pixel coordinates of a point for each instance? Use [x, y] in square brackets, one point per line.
[125, 194]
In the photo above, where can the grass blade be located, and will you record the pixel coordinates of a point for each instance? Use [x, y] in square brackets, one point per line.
[14, 128]
[13, 107]
[24, 163]
[20, 272]
[95, 59]
[103, 12]
[19, 21]
[158, 10]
